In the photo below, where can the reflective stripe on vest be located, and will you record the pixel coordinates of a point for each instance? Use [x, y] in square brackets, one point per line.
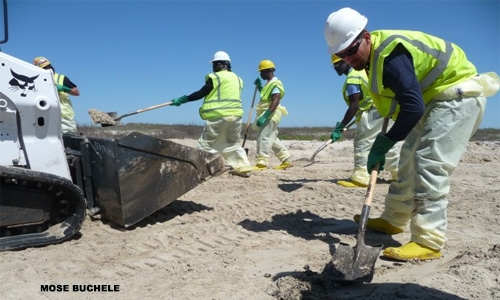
[438, 65]
[67, 112]
[225, 98]
[358, 78]
[265, 94]
[63, 96]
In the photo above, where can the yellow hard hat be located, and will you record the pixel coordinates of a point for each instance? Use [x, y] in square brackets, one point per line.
[41, 62]
[266, 64]
[335, 59]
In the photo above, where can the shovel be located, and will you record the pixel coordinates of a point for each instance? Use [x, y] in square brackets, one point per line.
[357, 264]
[249, 119]
[328, 142]
[109, 119]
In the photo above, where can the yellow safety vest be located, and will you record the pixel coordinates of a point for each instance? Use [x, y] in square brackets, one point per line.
[266, 99]
[438, 65]
[67, 113]
[358, 78]
[225, 98]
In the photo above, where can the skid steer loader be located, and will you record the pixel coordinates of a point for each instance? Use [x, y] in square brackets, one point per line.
[49, 182]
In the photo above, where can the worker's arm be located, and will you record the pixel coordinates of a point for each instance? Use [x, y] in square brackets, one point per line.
[355, 95]
[69, 87]
[74, 91]
[275, 101]
[399, 76]
[204, 91]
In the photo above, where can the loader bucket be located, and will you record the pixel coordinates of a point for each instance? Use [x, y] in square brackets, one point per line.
[136, 175]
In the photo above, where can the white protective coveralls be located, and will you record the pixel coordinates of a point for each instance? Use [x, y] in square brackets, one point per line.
[367, 129]
[224, 136]
[429, 155]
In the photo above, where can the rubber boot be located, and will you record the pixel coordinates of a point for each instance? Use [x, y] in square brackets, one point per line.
[411, 251]
[284, 165]
[259, 167]
[350, 183]
[380, 225]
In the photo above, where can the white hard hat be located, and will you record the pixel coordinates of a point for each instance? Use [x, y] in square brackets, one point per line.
[342, 27]
[221, 55]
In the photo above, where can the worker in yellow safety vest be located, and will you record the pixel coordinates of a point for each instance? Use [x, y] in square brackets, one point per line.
[269, 114]
[437, 99]
[222, 110]
[368, 124]
[65, 87]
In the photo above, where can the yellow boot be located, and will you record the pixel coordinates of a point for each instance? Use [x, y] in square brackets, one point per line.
[411, 251]
[351, 183]
[284, 165]
[259, 167]
[380, 225]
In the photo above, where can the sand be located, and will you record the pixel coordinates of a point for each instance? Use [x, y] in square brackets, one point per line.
[100, 117]
[269, 237]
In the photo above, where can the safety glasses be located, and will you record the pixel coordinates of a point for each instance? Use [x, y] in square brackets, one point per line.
[352, 50]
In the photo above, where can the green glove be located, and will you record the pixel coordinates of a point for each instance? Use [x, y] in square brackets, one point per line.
[179, 101]
[258, 83]
[337, 133]
[62, 88]
[377, 153]
[262, 119]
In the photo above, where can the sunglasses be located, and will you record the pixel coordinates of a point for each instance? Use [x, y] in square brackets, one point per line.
[351, 50]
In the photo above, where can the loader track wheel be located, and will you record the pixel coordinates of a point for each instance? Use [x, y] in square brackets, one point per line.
[37, 208]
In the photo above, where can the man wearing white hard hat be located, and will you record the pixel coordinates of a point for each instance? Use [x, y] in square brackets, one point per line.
[437, 99]
[222, 110]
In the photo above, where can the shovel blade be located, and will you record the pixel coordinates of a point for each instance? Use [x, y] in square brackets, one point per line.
[112, 120]
[353, 263]
[103, 118]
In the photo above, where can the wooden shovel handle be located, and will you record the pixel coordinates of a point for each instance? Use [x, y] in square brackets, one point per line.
[374, 173]
[249, 117]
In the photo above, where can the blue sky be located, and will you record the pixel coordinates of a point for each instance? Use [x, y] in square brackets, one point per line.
[128, 55]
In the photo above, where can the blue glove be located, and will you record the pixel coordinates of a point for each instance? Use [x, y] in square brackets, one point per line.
[337, 133]
[377, 153]
[179, 101]
[262, 119]
[258, 83]
[62, 88]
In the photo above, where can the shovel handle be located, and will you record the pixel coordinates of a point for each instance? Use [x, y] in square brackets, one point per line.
[154, 107]
[374, 172]
[328, 142]
[249, 117]
[371, 185]
[142, 110]
[350, 124]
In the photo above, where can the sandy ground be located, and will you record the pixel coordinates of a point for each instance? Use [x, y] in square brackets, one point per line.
[269, 237]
